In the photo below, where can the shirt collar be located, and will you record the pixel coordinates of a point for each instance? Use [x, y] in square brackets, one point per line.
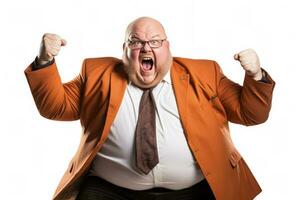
[167, 77]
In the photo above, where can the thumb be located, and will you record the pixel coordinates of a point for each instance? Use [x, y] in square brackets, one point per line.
[236, 56]
[63, 42]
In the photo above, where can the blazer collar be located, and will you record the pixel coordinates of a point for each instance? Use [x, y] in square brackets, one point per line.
[118, 84]
[180, 82]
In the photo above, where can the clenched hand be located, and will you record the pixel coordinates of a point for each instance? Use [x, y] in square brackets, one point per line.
[50, 47]
[250, 62]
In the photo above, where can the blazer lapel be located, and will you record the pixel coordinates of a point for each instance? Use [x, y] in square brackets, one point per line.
[118, 84]
[180, 80]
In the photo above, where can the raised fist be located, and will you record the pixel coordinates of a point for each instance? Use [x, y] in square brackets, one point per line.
[50, 47]
[250, 62]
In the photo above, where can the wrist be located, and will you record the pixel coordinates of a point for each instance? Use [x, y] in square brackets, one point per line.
[40, 61]
[258, 76]
[37, 65]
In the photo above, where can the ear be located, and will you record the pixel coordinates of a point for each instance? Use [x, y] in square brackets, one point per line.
[124, 52]
[167, 43]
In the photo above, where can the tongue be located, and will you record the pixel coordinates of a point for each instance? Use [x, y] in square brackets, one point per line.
[146, 66]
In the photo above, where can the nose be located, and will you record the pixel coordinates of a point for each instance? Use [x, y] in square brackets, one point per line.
[146, 47]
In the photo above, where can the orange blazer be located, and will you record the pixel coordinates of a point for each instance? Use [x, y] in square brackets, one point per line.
[206, 100]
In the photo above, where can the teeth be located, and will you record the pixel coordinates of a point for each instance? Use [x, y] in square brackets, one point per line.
[147, 58]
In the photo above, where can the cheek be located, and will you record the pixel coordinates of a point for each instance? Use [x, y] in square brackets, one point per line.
[162, 57]
[132, 55]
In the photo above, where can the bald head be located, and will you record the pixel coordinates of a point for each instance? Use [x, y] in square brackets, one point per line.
[145, 25]
[146, 54]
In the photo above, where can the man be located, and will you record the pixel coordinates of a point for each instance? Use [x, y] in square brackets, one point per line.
[154, 126]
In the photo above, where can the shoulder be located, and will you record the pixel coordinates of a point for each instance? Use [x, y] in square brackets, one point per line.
[101, 62]
[100, 65]
[202, 72]
[199, 68]
[187, 61]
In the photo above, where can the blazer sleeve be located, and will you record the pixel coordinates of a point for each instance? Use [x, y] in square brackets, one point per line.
[55, 100]
[249, 104]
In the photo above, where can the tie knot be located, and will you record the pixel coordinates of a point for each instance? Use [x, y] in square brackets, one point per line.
[147, 89]
[147, 98]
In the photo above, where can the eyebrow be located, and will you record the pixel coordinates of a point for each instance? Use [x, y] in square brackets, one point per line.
[155, 36]
[136, 36]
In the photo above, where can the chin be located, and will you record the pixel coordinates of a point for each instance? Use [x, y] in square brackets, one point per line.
[141, 83]
[148, 80]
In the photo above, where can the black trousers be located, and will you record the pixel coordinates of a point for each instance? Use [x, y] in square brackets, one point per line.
[95, 188]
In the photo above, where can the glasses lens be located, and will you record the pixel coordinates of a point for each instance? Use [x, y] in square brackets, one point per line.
[155, 43]
[138, 44]
[135, 44]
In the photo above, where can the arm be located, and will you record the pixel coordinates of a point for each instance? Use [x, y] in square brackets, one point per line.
[249, 104]
[54, 99]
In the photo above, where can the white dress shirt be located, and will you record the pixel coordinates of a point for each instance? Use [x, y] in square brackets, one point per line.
[115, 162]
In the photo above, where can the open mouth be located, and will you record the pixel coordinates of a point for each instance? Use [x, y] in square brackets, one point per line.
[147, 64]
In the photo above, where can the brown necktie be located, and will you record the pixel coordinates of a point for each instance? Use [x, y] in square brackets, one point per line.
[145, 134]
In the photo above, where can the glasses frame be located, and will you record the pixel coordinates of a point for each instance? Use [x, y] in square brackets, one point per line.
[143, 42]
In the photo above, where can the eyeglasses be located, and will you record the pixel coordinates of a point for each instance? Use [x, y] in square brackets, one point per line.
[138, 44]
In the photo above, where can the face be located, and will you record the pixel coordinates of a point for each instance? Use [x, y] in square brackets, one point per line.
[146, 66]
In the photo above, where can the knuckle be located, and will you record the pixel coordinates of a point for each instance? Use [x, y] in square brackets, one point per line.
[45, 35]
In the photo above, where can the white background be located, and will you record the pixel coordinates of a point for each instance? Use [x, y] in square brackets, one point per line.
[34, 151]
